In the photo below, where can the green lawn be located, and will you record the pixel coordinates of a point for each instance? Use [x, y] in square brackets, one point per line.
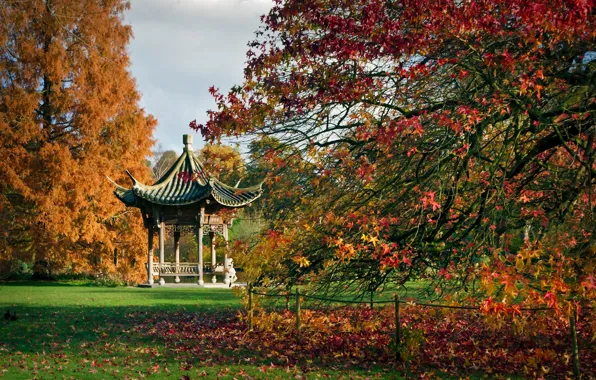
[414, 291]
[84, 332]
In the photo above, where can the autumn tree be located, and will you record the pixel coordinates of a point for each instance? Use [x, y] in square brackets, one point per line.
[223, 162]
[162, 160]
[69, 115]
[453, 140]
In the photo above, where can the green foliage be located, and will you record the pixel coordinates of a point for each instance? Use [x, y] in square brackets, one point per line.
[246, 227]
[106, 278]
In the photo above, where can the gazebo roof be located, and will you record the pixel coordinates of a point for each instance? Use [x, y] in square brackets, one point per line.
[185, 183]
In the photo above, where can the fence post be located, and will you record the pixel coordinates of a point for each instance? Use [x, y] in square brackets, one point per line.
[397, 329]
[371, 299]
[250, 311]
[297, 313]
[287, 301]
[574, 348]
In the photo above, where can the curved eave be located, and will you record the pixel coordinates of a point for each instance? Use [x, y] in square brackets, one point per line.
[234, 197]
[127, 197]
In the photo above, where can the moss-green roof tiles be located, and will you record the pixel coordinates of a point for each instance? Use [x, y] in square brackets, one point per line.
[187, 182]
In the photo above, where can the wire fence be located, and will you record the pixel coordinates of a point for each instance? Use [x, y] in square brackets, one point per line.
[300, 298]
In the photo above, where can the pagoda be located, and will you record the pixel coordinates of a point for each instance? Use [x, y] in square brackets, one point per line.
[186, 195]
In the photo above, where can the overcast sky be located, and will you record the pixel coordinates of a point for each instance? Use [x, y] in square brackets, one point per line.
[180, 49]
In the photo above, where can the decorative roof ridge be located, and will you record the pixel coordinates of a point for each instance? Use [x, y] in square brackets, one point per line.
[118, 187]
[174, 170]
[197, 167]
[133, 179]
[166, 178]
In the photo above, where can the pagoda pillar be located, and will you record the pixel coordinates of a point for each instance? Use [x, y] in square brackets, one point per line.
[162, 233]
[226, 270]
[177, 251]
[213, 257]
[199, 232]
[150, 255]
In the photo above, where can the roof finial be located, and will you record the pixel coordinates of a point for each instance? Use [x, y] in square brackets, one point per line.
[187, 140]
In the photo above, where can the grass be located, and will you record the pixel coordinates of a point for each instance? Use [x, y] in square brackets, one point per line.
[67, 330]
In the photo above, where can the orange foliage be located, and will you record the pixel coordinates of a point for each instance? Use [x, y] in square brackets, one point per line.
[69, 115]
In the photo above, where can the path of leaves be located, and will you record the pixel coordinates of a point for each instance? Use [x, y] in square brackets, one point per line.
[456, 342]
[352, 341]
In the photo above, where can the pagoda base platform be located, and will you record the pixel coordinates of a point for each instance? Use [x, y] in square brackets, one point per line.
[191, 285]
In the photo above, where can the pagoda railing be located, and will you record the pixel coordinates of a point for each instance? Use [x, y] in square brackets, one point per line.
[183, 269]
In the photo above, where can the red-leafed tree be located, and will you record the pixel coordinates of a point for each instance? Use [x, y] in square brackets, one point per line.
[448, 139]
[69, 116]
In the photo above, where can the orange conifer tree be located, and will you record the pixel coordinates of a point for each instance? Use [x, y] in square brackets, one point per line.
[69, 115]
